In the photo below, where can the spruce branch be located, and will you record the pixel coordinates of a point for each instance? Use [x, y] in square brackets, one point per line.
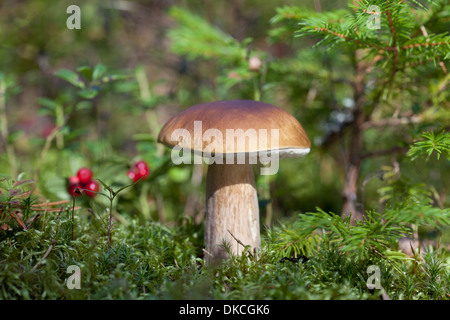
[375, 234]
[439, 143]
[196, 38]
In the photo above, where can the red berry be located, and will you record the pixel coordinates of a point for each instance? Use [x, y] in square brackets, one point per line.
[143, 172]
[141, 165]
[75, 190]
[142, 169]
[132, 174]
[74, 180]
[85, 175]
[139, 171]
[92, 186]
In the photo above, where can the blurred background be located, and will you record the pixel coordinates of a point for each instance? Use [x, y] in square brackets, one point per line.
[139, 62]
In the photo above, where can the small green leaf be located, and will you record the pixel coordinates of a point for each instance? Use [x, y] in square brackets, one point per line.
[49, 103]
[88, 93]
[99, 70]
[71, 77]
[106, 186]
[86, 71]
[124, 187]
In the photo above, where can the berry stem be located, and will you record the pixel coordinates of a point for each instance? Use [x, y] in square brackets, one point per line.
[73, 209]
[110, 220]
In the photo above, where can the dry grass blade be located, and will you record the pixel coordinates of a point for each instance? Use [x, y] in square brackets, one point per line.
[19, 220]
[50, 204]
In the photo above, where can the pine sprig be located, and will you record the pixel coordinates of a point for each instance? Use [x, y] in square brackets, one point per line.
[288, 18]
[375, 235]
[395, 33]
[196, 38]
[432, 143]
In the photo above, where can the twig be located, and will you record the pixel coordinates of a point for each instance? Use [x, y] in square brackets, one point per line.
[208, 253]
[53, 209]
[73, 209]
[288, 244]
[19, 221]
[431, 44]
[349, 193]
[47, 204]
[349, 39]
[110, 222]
[240, 242]
[45, 255]
[97, 218]
[237, 240]
[36, 207]
[394, 42]
[33, 219]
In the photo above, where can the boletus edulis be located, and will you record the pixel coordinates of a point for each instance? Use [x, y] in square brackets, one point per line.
[232, 136]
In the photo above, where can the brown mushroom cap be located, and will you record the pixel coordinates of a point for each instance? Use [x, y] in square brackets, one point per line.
[237, 114]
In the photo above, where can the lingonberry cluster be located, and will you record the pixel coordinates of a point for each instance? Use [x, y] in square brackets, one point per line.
[82, 183]
[139, 171]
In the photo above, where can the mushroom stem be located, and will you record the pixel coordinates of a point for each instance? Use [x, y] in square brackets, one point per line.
[231, 207]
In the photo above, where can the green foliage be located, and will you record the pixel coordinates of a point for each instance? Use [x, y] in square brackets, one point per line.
[196, 38]
[439, 143]
[377, 234]
[136, 241]
[152, 261]
[34, 260]
[352, 30]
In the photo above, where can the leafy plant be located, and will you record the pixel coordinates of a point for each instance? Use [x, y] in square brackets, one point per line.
[439, 143]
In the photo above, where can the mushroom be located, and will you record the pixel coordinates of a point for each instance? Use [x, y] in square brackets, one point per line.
[230, 136]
